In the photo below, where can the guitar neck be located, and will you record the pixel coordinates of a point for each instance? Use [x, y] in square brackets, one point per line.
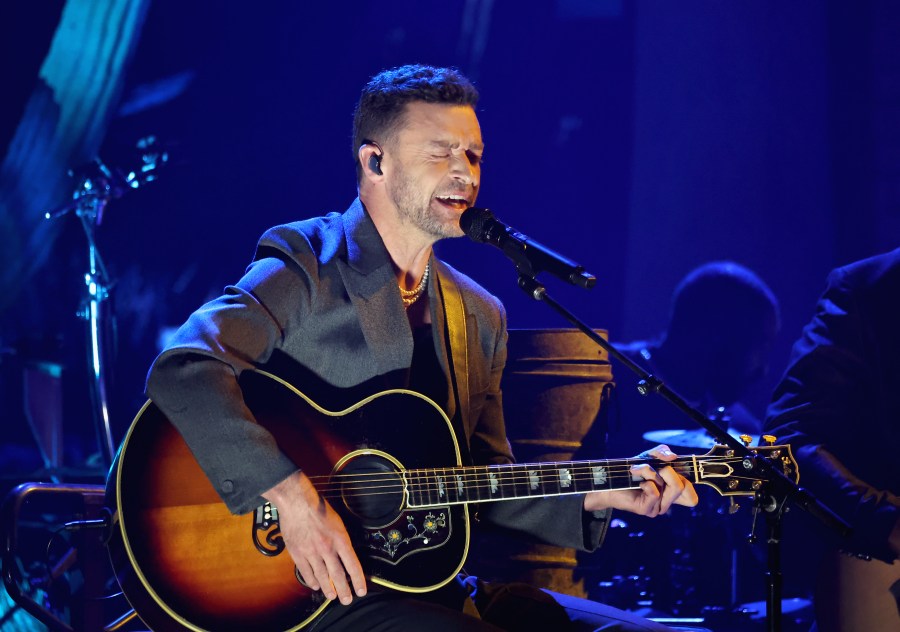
[453, 485]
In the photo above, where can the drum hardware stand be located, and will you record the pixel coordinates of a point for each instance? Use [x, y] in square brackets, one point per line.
[34, 593]
[771, 498]
[96, 186]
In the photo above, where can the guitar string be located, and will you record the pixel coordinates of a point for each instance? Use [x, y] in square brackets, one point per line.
[517, 469]
[514, 472]
[430, 484]
[420, 492]
[510, 471]
[477, 492]
[612, 466]
[426, 486]
[451, 477]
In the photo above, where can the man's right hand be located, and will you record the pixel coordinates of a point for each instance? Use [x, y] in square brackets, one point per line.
[316, 539]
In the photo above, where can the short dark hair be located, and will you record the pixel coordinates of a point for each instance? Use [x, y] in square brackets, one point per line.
[720, 294]
[383, 100]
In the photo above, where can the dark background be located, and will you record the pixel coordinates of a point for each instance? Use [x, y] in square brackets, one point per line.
[638, 138]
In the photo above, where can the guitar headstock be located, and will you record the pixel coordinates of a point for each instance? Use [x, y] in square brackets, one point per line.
[731, 475]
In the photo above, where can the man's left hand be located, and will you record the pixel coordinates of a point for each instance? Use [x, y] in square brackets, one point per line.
[658, 490]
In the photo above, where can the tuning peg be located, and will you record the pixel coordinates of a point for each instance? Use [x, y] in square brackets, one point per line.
[769, 439]
[747, 439]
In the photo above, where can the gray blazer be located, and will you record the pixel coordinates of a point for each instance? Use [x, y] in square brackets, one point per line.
[323, 293]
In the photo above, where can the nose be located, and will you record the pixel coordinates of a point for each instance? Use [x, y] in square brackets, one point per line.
[462, 169]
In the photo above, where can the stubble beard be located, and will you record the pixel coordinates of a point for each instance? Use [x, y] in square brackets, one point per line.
[415, 208]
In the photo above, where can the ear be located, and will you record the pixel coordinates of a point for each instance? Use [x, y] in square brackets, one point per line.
[370, 157]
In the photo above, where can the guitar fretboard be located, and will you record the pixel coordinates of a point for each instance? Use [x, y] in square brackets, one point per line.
[453, 485]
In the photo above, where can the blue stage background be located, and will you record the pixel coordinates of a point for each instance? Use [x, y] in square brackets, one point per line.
[638, 138]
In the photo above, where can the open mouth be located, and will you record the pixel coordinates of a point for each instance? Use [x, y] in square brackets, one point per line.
[456, 202]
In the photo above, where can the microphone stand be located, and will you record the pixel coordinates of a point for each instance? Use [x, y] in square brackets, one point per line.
[771, 498]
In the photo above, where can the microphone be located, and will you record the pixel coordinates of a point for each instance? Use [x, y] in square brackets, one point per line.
[530, 257]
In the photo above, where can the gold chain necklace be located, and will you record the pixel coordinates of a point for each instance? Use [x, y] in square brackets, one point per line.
[411, 296]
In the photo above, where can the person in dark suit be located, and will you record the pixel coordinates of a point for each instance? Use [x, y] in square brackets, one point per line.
[357, 303]
[838, 406]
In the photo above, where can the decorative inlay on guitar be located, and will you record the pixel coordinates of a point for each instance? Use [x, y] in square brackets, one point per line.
[185, 562]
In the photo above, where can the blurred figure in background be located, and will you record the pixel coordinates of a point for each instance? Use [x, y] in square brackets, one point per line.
[722, 323]
[838, 406]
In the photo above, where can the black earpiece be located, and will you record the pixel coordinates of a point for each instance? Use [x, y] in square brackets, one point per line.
[375, 164]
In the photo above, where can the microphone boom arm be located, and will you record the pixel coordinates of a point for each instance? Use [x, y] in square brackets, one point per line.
[529, 256]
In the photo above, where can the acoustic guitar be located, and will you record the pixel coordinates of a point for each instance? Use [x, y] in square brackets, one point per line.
[390, 465]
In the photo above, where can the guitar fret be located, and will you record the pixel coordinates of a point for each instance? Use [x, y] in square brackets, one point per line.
[441, 480]
[529, 482]
[505, 482]
[470, 486]
[434, 497]
[449, 487]
[519, 481]
[581, 480]
[495, 483]
[485, 489]
[418, 488]
[535, 485]
[564, 474]
[542, 489]
[506, 475]
[460, 480]
[409, 478]
[470, 482]
[585, 478]
[484, 485]
[620, 477]
[454, 489]
[477, 481]
[423, 488]
[599, 475]
[550, 475]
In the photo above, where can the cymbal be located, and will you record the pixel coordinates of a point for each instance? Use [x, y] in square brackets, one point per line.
[695, 438]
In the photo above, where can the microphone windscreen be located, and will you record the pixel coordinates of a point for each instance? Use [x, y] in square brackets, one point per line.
[474, 223]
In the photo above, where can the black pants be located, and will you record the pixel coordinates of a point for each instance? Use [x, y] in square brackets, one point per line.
[476, 606]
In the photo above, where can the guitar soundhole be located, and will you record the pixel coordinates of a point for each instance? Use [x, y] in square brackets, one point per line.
[372, 489]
